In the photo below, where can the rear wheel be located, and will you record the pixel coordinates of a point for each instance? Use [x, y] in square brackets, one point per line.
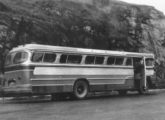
[80, 89]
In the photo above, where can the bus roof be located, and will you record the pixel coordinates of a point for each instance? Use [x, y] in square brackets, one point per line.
[40, 47]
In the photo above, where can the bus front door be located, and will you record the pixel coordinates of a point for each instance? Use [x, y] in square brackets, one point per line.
[139, 74]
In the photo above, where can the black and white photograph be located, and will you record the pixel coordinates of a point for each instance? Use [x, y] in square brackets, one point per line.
[82, 60]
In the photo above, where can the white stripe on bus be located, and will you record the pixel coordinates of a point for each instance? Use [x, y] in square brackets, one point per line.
[82, 71]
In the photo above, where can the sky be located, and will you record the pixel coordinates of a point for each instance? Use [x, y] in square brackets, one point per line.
[158, 4]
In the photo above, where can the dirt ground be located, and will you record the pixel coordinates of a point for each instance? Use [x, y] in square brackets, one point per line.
[113, 107]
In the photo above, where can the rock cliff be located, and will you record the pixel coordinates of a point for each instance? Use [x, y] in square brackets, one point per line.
[100, 24]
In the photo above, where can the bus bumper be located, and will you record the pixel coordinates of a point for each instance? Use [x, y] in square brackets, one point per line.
[16, 90]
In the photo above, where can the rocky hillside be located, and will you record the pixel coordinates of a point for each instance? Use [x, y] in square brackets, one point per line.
[100, 24]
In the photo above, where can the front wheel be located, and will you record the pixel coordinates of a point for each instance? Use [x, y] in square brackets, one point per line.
[80, 89]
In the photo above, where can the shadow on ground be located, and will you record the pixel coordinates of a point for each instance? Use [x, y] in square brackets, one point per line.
[91, 96]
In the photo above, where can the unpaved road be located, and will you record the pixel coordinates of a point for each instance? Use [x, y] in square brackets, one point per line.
[114, 107]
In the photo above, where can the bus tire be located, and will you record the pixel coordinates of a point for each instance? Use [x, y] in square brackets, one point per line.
[80, 89]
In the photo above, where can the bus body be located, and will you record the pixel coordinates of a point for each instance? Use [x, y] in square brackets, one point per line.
[45, 69]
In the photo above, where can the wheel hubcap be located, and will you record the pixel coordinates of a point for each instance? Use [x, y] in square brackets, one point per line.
[80, 89]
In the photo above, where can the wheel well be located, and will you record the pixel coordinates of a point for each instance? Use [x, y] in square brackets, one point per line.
[10, 81]
[82, 79]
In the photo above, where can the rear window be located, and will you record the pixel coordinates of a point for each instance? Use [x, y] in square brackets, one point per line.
[37, 57]
[20, 57]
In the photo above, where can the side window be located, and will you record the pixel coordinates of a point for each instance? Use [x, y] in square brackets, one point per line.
[119, 61]
[128, 62]
[63, 58]
[99, 60]
[37, 57]
[75, 59]
[49, 57]
[111, 61]
[149, 62]
[89, 60]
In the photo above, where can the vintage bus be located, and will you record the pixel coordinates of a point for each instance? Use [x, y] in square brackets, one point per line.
[54, 70]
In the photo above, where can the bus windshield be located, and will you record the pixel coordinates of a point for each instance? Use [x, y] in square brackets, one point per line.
[8, 60]
[16, 58]
[20, 57]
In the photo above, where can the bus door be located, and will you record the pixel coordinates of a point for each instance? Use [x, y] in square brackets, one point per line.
[139, 74]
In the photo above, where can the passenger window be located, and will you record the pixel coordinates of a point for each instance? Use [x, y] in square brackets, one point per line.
[111, 61]
[37, 57]
[99, 60]
[89, 60]
[129, 62]
[63, 58]
[149, 62]
[119, 61]
[49, 57]
[74, 59]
